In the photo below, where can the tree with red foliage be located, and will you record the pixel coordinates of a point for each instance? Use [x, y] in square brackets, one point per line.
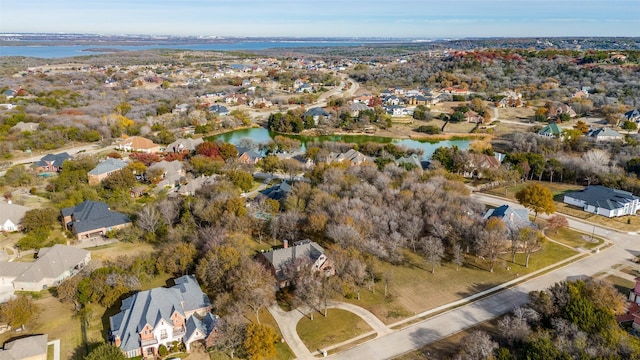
[145, 158]
[175, 156]
[209, 149]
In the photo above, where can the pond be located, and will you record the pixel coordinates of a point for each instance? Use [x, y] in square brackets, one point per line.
[262, 135]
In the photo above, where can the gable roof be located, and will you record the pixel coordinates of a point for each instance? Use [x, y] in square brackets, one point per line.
[603, 197]
[152, 306]
[55, 160]
[510, 215]
[12, 212]
[192, 186]
[107, 166]
[604, 132]
[277, 191]
[316, 111]
[305, 249]
[90, 215]
[52, 262]
[24, 348]
[551, 129]
[184, 144]
[138, 142]
[200, 329]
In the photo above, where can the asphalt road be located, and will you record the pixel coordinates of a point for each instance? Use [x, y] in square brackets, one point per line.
[625, 246]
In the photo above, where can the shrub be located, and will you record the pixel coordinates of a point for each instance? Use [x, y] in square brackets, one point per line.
[429, 129]
[162, 350]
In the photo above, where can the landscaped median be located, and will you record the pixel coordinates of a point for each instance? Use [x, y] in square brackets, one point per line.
[338, 326]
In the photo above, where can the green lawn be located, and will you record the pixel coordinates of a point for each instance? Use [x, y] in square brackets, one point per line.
[338, 326]
[414, 289]
[574, 238]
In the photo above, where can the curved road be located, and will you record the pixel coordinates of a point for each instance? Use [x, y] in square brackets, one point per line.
[625, 246]
[470, 312]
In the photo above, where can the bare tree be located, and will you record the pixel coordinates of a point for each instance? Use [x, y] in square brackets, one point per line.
[515, 327]
[492, 240]
[477, 346]
[530, 239]
[458, 256]
[169, 210]
[387, 278]
[148, 219]
[253, 286]
[433, 250]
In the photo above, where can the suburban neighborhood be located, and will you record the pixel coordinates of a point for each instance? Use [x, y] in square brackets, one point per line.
[466, 200]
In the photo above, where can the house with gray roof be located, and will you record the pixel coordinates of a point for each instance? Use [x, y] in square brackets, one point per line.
[184, 145]
[11, 215]
[196, 184]
[51, 162]
[52, 266]
[601, 200]
[91, 219]
[512, 217]
[248, 156]
[352, 157]
[219, 109]
[604, 134]
[104, 169]
[278, 260]
[160, 316]
[27, 348]
[633, 115]
[172, 173]
[317, 114]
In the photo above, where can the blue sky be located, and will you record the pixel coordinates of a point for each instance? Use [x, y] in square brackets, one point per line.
[362, 18]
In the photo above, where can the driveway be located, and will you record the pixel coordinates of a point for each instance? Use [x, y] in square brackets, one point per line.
[625, 247]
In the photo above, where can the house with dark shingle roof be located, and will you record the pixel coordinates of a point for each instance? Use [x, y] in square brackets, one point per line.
[160, 316]
[317, 114]
[51, 162]
[306, 250]
[91, 219]
[601, 200]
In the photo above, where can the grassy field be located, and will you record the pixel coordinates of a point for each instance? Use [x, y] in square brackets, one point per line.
[338, 326]
[58, 321]
[574, 238]
[414, 289]
[114, 250]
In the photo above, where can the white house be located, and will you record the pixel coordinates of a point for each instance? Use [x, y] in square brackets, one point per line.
[604, 201]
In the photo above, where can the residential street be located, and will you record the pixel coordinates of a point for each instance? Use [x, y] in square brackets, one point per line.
[389, 344]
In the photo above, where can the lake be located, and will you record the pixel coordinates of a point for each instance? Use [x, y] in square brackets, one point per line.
[262, 135]
[60, 51]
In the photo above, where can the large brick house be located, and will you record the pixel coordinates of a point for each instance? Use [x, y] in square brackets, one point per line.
[162, 316]
[277, 260]
[92, 218]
